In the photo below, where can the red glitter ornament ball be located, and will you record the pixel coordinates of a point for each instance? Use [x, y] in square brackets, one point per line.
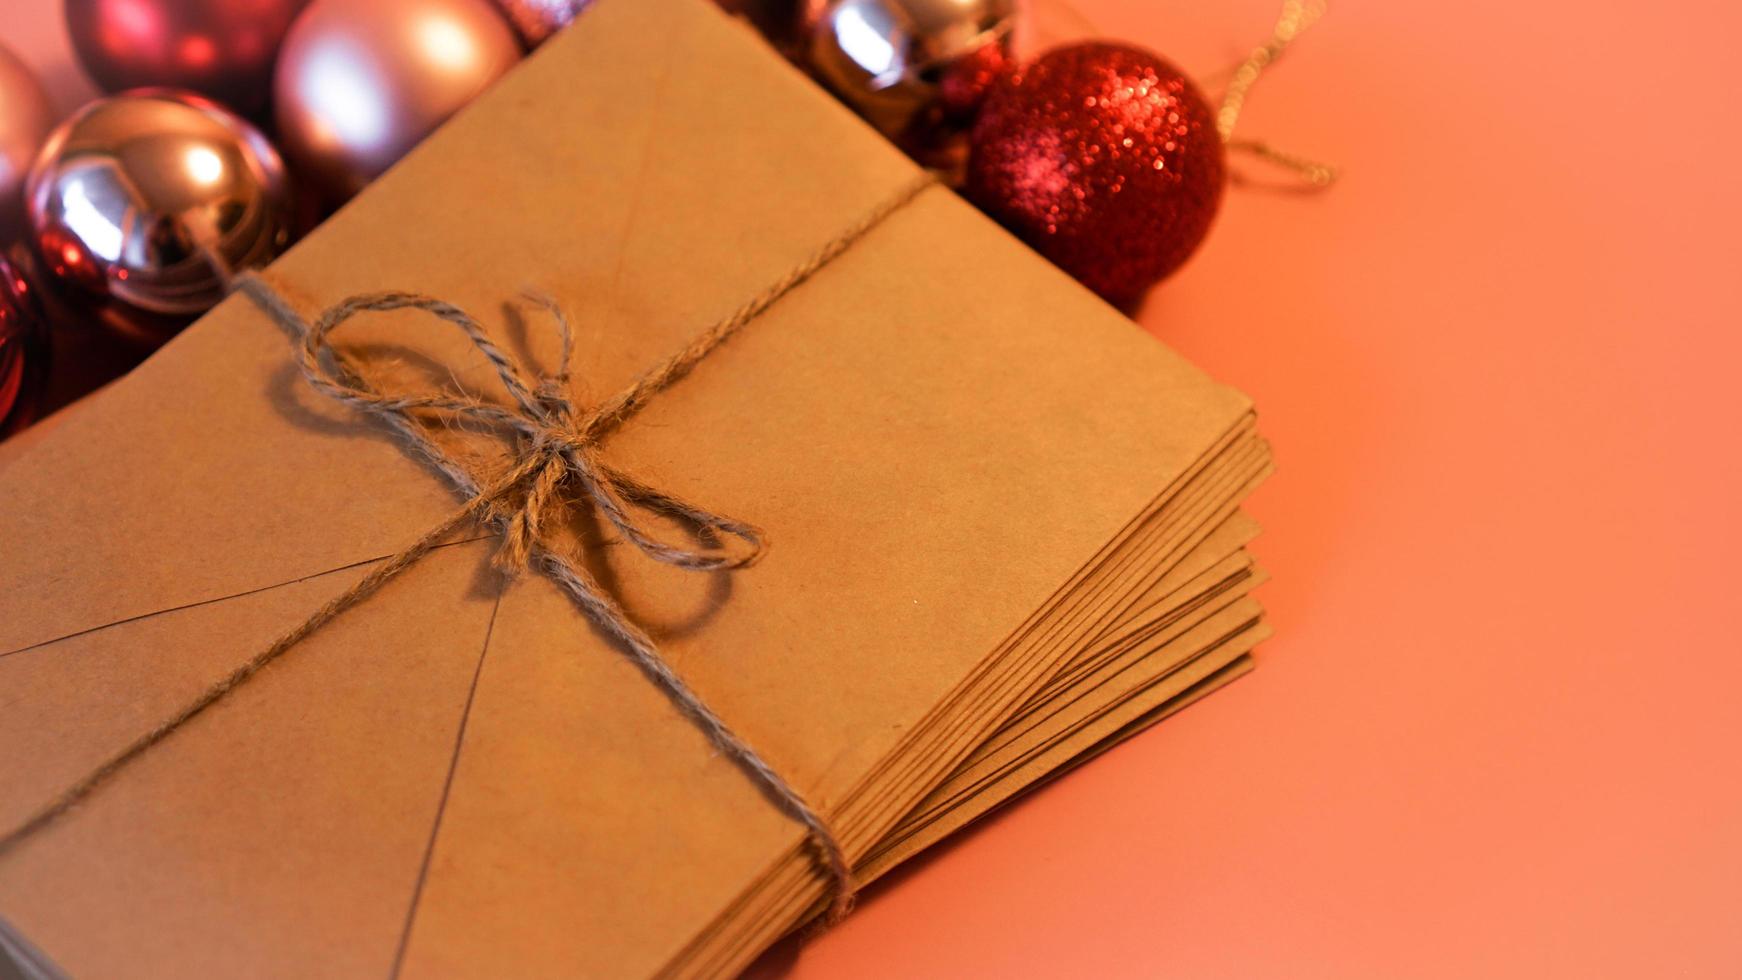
[1105, 159]
[22, 330]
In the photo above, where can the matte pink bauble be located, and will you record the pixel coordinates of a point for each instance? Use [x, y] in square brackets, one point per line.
[25, 120]
[222, 49]
[359, 84]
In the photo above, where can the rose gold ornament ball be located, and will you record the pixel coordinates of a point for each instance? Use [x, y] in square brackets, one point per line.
[222, 49]
[359, 84]
[1105, 159]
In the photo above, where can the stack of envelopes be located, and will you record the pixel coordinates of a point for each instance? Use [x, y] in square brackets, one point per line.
[1003, 533]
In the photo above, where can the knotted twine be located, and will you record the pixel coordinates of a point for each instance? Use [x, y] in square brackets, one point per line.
[557, 463]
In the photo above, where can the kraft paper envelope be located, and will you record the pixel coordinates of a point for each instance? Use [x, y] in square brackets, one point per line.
[1214, 575]
[960, 457]
[1204, 634]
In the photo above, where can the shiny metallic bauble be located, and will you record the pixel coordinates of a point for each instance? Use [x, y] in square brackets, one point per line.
[156, 198]
[358, 84]
[895, 60]
[222, 49]
[537, 20]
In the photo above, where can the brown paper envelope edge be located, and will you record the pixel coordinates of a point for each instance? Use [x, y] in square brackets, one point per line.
[909, 839]
[1166, 532]
[1218, 493]
[1132, 670]
[758, 895]
[1204, 595]
[1194, 681]
[777, 885]
[737, 952]
[1169, 703]
[1122, 718]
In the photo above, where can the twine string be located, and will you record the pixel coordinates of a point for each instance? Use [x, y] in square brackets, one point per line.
[557, 463]
[1296, 16]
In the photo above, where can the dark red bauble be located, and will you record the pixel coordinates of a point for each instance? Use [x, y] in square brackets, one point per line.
[22, 344]
[222, 49]
[1105, 159]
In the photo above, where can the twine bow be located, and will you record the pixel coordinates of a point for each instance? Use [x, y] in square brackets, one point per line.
[556, 461]
[557, 457]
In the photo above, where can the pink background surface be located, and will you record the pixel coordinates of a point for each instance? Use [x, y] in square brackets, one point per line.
[1497, 733]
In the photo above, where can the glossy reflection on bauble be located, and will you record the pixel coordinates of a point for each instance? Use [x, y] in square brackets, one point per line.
[895, 59]
[157, 198]
[358, 84]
